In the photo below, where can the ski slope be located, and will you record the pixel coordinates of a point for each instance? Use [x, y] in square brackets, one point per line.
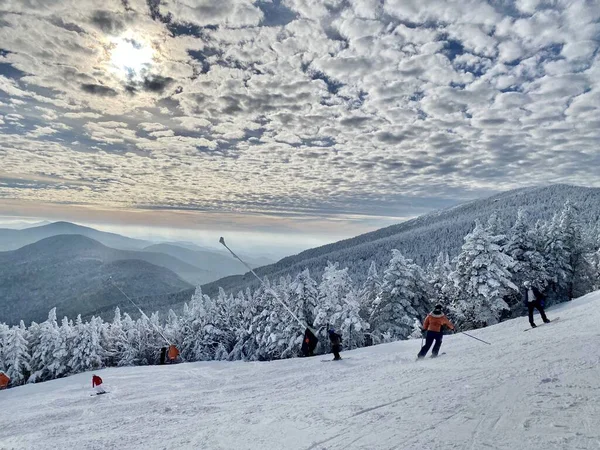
[534, 390]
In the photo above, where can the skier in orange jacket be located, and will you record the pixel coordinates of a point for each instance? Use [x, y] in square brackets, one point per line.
[4, 380]
[433, 325]
[173, 353]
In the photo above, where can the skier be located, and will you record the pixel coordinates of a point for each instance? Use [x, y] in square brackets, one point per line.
[533, 299]
[310, 343]
[336, 343]
[97, 384]
[173, 353]
[4, 380]
[433, 325]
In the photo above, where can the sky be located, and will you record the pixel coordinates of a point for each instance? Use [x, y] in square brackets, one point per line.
[289, 123]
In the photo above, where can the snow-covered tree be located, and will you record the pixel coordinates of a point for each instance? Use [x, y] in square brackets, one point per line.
[129, 350]
[595, 262]
[369, 291]
[114, 340]
[482, 278]
[4, 336]
[86, 350]
[404, 296]
[439, 279]
[333, 289]
[349, 322]
[16, 356]
[49, 355]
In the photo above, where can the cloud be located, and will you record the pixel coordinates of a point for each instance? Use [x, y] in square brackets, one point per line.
[98, 89]
[296, 106]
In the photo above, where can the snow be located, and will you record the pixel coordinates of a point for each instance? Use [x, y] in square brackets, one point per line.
[534, 390]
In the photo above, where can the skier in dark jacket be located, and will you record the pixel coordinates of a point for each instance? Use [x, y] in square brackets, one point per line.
[433, 326]
[336, 344]
[533, 299]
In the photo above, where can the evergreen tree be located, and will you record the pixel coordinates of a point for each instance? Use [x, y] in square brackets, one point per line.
[349, 322]
[16, 356]
[114, 341]
[404, 296]
[4, 337]
[369, 292]
[130, 351]
[87, 352]
[49, 354]
[482, 279]
[530, 264]
[333, 289]
[440, 281]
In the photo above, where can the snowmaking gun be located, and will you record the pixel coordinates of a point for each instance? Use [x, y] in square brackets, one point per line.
[310, 340]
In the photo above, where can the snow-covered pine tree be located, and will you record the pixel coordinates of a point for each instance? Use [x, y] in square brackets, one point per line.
[350, 324]
[16, 356]
[243, 348]
[496, 229]
[129, 353]
[86, 350]
[150, 338]
[214, 336]
[404, 296]
[4, 336]
[191, 323]
[173, 329]
[49, 355]
[580, 251]
[303, 298]
[113, 340]
[530, 264]
[369, 291]
[439, 279]
[417, 328]
[286, 334]
[333, 290]
[557, 252]
[482, 279]
[259, 317]
[596, 270]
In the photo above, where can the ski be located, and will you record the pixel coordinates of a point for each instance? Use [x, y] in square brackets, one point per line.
[431, 357]
[334, 360]
[542, 324]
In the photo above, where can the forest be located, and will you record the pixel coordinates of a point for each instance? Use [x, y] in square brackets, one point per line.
[480, 286]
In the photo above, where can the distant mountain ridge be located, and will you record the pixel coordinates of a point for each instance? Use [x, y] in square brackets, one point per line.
[193, 263]
[70, 272]
[13, 239]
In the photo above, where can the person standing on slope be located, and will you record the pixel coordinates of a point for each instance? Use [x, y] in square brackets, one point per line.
[433, 325]
[336, 344]
[533, 299]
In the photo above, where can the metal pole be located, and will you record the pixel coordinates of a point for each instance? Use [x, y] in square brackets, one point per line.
[222, 241]
[139, 309]
[473, 337]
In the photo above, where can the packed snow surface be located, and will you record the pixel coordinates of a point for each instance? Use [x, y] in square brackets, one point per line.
[533, 390]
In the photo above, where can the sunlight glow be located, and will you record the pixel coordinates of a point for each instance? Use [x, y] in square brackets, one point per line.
[131, 58]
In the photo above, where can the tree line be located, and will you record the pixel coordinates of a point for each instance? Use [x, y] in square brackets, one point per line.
[481, 286]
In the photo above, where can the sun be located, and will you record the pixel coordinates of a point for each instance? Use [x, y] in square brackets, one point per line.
[131, 58]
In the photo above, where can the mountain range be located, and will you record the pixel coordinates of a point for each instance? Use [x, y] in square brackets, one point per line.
[70, 270]
[72, 273]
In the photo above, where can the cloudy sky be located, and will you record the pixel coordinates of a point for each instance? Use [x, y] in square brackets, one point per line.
[315, 119]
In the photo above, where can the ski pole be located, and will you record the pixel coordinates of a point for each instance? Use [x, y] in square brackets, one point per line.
[473, 337]
[222, 241]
